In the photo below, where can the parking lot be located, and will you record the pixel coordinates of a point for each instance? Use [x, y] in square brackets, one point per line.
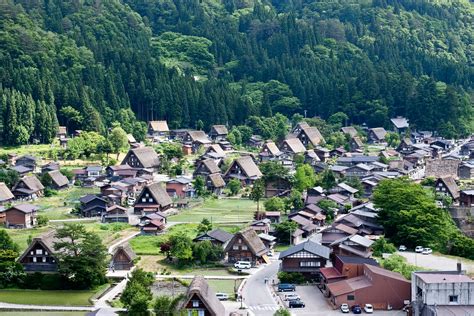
[317, 305]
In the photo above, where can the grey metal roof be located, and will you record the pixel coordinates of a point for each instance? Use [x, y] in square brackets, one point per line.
[361, 240]
[309, 246]
[220, 235]
[358, 159]
[400, 122]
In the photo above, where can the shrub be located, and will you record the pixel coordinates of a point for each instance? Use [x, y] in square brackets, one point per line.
[381, 246]
[42, 281]
[104, 227]
[50, 192]
[42, 220]
[291, 277]
[397, 263]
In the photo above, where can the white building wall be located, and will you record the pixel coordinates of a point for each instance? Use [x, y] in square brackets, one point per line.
[438, 293]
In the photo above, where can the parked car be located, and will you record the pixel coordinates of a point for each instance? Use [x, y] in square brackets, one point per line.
[242, 265]
[222, 296]
[419, 249]
[368, 308]
[286, 287]
[402, 248]
[356, 309]
[427, 251]
[292, 297]
[270, 253]
[345, 308]
[296, 304]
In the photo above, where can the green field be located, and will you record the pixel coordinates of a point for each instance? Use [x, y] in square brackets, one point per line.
[219, 210]
[40, 313]
[20, 236]
[38, 297]
[148, 245]
[59, 206]
[281, 247]
[107, 232]
[35, 150]
[225, 286]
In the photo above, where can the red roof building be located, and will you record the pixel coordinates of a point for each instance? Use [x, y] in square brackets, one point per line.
[382, 288]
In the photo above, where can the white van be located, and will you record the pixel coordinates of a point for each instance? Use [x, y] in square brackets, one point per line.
[242, 265]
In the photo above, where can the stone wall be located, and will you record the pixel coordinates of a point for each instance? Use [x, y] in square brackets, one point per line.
[464, 219]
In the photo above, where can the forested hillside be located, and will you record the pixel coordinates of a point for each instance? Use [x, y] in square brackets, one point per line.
[88, 63]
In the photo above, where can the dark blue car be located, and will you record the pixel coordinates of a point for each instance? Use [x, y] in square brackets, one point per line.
[356, 309]
[285, 287]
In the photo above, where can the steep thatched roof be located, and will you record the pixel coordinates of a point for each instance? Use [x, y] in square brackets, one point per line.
[58, 178]
[250, 237]
[159, 126]
[200, 288]
[5, 193]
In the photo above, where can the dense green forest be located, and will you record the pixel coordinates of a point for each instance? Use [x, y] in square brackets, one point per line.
[89, 63]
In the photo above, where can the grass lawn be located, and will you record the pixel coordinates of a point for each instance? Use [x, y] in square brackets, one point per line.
[40, 313]
[159, 265]
[148, 245]
[225, 286]
[38, 297]
[20, 236]
[219, 210]
[35, 150]
[59, 206]
[281, 247]
[107, 232]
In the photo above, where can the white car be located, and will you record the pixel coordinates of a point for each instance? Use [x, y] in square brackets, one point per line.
[222, 296]
[368, 308]
[292, 297]
[419, 249]
[402, 248]
[427, 251]
[345, 308]
[242, 265]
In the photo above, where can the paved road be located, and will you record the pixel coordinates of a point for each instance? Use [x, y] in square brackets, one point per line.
[103, 302]
[209, 277]
[256, 293]
[436, 262]
[72, 220]
[44, 307]
[121, 241]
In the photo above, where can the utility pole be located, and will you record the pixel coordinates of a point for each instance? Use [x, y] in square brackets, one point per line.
[289, 240]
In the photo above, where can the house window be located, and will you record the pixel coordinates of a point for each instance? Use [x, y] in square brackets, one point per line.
[453, 299]
[143, 199]
[235, 247]
[195, 303]
[34, 259]
[350, 297]
[309, 264]
[244, 247]
[150, 200]
[39, 251]
[44, 259]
